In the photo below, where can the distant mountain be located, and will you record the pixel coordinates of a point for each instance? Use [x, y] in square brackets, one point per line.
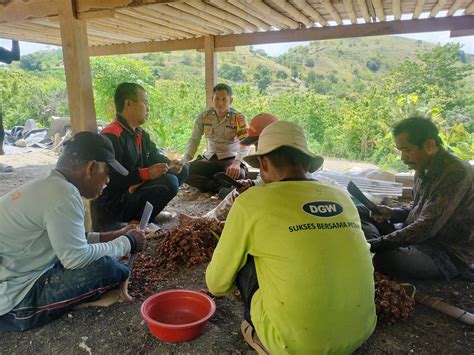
[330, 67]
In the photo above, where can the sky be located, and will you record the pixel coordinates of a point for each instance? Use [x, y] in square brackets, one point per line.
[280, 48]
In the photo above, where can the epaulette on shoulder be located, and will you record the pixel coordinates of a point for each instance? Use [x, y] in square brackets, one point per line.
[114, 128]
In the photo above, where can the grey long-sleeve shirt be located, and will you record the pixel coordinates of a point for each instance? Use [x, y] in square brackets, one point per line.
[43, 222]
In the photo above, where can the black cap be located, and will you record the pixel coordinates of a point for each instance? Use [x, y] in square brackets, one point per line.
[93, 146]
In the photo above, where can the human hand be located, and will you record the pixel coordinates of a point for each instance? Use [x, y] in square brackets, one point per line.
[246, 183]
[233, 170]
[385, 213]
[175, 166]
[139, 237]
[157, 170]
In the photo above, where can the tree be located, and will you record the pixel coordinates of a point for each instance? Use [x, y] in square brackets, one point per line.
[309, 62]
[281, 75]
[263, 77]
[231, 72]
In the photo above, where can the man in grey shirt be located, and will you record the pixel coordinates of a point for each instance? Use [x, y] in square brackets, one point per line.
[48, 264]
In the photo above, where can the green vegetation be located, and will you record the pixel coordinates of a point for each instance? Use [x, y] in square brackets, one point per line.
[347, 94]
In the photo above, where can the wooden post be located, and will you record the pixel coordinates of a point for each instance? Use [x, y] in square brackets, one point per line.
[77, 68]
[211, 67]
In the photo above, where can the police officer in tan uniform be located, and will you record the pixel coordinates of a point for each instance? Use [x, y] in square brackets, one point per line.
[224, 128]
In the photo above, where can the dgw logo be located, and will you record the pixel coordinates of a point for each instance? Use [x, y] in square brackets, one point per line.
[323, 208]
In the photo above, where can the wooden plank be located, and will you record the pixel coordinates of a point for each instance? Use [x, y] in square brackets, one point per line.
[438, 7]
[378, 7]
[210, 67]
[305, 34]
[98, 5]
[240, 13]
[456, 6]
[418, 8]
[293, 12]
[311, 12]
[261, 17]
[350, 10]
[396, 9]
[461, 33]
[359, 30]
[186, 17]
[263, 9]
[175, 22]
[247, 26]
[364, 10]
[148, 47]
[199, 13]
[470, 9]
[332, 11]
[77, 68]
[17, 10]
[20, 10]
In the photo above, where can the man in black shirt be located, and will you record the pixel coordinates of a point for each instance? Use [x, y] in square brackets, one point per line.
[153, 177]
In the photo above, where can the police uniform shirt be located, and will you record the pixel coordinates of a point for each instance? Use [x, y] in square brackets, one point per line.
[222, 136]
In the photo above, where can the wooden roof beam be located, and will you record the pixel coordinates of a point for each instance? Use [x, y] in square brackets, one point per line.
[378, 7]
[173, 21]
[396, 9]
[364, 11]
[332, 11]
[172, 33]
[455, 7]
[470, 9]
[240, 13]
[247, 26]
[263, 9]
[218, 21]
[148, 47]
[244, 7]
[294, 12]
[182, 15]
[20, 10]
[184, 32]
[455, 23]
[438, 7]
[350, 11]
[311, 12]
[418, 8]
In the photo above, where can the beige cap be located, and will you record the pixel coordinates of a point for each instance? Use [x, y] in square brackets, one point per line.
[283, 134]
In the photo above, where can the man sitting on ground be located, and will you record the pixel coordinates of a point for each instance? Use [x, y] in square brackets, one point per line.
[153, 177]
[221, 211]
[437, 238]
[295, 250]
[48, 264]
[224, 128]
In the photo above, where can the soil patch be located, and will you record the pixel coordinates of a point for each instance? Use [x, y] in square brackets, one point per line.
[119, 328]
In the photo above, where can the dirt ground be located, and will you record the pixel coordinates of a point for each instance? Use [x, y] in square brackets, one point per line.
[120, 329]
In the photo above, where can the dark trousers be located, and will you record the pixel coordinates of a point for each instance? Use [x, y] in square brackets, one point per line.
[202, 170]
[407, 262]
[247, 283]
[158, 192]
[59, 290]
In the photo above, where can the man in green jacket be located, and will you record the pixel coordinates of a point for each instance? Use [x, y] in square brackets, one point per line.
[295, 250]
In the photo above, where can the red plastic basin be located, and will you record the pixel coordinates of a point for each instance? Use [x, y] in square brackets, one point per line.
[177, 315]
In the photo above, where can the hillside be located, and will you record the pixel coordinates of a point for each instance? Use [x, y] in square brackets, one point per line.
[322, 65]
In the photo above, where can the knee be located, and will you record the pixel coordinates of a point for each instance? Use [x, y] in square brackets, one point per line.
[170, 184]
[110, 268]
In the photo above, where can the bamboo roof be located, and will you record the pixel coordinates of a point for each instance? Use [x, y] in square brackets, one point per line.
[127, 26]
